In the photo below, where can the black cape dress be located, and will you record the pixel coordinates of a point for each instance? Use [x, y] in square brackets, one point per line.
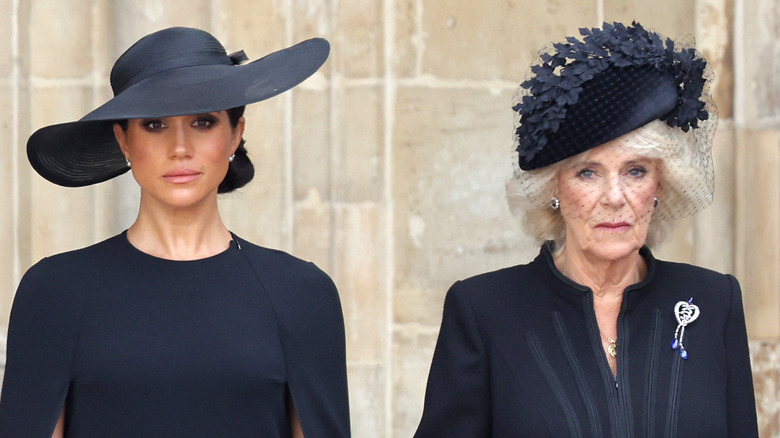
[137, 346]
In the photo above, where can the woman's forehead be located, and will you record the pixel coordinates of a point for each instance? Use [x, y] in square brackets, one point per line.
[614, 152]
[213, 113]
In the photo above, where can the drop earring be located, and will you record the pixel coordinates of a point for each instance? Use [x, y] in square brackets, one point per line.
[555, 203]
[655, 203]
[231, 158]
[129, 164]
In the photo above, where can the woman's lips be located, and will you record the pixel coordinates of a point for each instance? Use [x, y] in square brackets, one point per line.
[614, 226]
[182, 176]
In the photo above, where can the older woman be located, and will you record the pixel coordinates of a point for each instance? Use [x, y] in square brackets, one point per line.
[596, 337]
[175, 327]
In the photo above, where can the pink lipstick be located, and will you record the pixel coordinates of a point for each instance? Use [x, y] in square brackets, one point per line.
[181, 176]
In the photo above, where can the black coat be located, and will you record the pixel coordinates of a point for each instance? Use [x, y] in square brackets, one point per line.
[519, 354]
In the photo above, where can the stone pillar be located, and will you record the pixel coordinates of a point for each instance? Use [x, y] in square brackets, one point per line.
[757, 186]
[10, 94]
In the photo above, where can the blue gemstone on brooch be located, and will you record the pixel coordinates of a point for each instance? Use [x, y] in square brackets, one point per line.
[683, 353]
[675, 344]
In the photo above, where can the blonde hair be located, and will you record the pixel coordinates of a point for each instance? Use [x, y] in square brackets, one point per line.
[685, 178]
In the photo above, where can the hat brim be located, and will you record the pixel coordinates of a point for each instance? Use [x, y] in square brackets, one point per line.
[76, 154]
[85, 152]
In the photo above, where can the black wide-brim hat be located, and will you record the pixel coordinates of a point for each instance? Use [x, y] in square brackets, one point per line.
[171, 72]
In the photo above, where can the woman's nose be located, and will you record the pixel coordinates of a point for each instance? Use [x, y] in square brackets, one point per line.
[614, 192]
[180, 145]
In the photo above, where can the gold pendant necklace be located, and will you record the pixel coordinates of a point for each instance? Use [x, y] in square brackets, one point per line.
[612, 349]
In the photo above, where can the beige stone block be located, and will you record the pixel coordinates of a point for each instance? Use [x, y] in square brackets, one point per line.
[105, 49]
[61, 219]
[310, 18]
[311, 146]
[758, 234]
[60, 38]
[408, 42]
[194, 13]
[463, 39]
[101, 93]
[257, 28]
[7, 43]
[9, 156]
[416, 304]
[313, 234]
[715, 40]
[359, 254]
[367, 399]
[24, 177]
[261, 212]
[357, 37]
[765, 360]
[757, 46]
[358, 144]
[116, 204]
[451, 160]
[129, 21]
[714, 226]
[59, 104]
[412, 353]
[679, 245]
[137, 18]
[670, 18]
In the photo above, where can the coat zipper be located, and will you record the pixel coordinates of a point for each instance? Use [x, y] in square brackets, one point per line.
[616, 385]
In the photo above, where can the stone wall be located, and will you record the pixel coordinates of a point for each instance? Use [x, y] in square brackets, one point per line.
[387, 168]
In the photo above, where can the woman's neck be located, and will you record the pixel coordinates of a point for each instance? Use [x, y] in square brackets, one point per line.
[604, 277]
[179, 234]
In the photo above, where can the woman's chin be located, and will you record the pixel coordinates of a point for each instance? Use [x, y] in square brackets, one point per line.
[614, 249]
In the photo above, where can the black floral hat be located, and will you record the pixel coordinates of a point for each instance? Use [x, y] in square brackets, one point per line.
[585, 93]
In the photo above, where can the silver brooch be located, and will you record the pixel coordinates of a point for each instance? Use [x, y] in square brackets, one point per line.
[686, 312]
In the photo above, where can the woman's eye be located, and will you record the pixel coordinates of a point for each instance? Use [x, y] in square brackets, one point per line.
[637, 171]
[586, 173]
[153, 125]
[204, 122]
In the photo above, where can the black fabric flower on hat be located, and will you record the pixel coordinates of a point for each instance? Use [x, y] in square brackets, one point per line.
[585, 93]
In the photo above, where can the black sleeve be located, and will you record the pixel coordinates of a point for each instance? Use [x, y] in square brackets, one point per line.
[314, 345]
[41, 341]
[457, 399]
[741, 399]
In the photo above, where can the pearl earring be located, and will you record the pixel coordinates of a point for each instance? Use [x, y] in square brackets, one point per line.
[129, 164]
[232, 157]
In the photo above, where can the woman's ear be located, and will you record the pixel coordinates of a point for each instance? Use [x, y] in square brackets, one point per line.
[238, 133]
[659, 165]
[121, 138]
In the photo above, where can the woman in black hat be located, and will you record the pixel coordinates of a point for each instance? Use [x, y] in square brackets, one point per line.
[595, 337]
[175, 327]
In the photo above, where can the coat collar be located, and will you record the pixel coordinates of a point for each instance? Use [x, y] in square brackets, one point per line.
[572, 290]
